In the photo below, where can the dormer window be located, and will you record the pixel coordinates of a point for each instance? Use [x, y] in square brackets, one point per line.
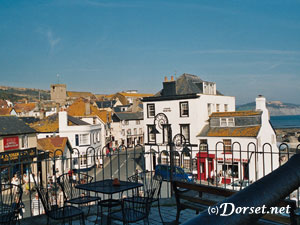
[227, 122]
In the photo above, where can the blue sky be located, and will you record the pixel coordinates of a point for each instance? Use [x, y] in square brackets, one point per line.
[247, 47]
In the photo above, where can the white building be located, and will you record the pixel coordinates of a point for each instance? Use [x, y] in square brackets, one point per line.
[128, 128]
[184, 106]
[238, 145]
[85, 138]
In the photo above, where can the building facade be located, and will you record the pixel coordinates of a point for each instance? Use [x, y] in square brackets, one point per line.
[177, 113]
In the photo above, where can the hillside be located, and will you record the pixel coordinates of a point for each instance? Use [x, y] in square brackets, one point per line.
[276, 108]
[14, 94]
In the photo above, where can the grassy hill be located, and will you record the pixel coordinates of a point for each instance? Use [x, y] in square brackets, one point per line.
[15, 94]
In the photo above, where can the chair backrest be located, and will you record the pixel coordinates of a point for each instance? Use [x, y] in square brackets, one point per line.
[10, 199]
[151, 183]
[43, 196]
[67, 184]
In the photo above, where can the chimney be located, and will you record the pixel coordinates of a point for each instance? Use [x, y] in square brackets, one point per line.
[169, 87]
[87, 108]
[63, 120]
[166, 79]
[261, 105]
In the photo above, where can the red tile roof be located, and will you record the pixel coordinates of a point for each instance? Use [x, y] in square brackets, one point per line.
[53, 143]
[233, 131]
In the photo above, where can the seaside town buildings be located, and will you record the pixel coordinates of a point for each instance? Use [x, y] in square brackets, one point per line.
[193, 115]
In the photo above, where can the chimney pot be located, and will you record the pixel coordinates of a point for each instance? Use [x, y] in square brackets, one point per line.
[166, 79]
[172, 78]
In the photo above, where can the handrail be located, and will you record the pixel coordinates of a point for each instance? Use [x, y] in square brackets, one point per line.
[266, 192]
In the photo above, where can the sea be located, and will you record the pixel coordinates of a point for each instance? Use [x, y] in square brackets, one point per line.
[285, 121]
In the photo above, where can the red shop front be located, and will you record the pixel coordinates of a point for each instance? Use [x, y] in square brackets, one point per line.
[205, 164]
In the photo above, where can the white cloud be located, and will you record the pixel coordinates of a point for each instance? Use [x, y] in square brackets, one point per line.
[53, 41]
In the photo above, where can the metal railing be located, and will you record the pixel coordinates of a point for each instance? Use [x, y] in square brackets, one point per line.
[220, 166]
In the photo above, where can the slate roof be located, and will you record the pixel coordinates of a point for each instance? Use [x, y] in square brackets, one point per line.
[129, 115]
[251, 131]
[12, 125]
[237, 113]
[106, 104]
[29, 119]
[188, 84]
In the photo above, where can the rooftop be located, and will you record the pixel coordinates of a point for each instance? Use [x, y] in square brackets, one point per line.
[11, 125]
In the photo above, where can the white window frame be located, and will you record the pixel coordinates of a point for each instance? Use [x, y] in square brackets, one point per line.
[84, 139]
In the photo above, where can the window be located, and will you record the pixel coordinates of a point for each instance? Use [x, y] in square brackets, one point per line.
[135, 131]
[129, 132]
[95, 138]
[24, 141]
[138, 122]
[140, 130]
[226, 107]
[218, 108]
[184, 109]
[185, 131]
[98, 136]
[166, 131]
[84, 139]
[83, 159]
[150, 110]
[227, 145]
[76, 139]
[209, 108]
[227, 122]
[151, 135]
[123, 132]
[126, 122]
[186, 160]
[203, 145]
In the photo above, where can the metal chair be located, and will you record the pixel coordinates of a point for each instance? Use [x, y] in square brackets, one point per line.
[10, 199]
[65, 213]
[133, 209]
[73, 195]
[151, 183]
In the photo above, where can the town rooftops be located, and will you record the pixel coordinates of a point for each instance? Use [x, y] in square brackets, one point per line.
[236, 113]
[24, 107]
[128, 115]
[77, 94]
[51, 124]
[106, 104]
[3, 103]
[5, 111]
[251, 131]
[11, 125]
[233, 124]
[82, 107]
[51, 144]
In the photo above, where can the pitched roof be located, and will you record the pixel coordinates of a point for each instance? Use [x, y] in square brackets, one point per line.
[53, 143]
[3, 103]
[106, 104]
[24, 107]
[138, 95]
[250, 131]
[5, 111]
[188, 84]
[50, 124]
[78, 108]
[129, 115]
[77, 94]
[11, 125]
[236, 113]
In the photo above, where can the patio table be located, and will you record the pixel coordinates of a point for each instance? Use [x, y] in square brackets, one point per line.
[107, 187]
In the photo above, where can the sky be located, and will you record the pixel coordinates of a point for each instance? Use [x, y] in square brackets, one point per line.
[248, 47]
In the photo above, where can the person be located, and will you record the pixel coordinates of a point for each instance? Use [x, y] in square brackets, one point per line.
[37, 206]
[26, 183]
[16, 182]
[19, 209]
[212, 176]
[220, 176]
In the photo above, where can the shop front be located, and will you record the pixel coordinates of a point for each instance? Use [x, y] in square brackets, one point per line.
[205, 165]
